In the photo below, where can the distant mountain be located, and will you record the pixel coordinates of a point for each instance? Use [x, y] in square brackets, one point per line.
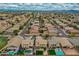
[71, 11]
[57, 7]
[65, 11]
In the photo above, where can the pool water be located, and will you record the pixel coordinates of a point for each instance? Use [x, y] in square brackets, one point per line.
[59, 51]
[11, 53]
[28, 51]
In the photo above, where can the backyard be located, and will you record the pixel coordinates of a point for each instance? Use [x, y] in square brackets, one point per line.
[51, 52]
[39, 52]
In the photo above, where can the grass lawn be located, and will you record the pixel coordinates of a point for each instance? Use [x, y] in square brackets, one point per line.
[20, 52]
[38, 52]
[0, 52]
[3, 41]
[51, 52]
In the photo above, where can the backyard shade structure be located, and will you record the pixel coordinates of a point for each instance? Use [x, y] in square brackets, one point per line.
[59, 51]
[51, 52]
[13, 49]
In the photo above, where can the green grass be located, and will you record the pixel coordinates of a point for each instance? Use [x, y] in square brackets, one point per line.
[20, 52]
[0, 52]
[38, 52]
[3, 41]
[51, 52]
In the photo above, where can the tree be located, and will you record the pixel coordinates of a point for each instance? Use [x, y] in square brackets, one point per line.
[41, 31]
[12, 24]
[71, 34]
[16, 32]
[21, 27]
[17, 20]
[20, 51]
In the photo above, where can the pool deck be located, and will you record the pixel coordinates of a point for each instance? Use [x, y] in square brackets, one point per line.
[69, 51]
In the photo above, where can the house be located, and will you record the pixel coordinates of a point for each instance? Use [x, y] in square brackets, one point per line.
[59, 41]
[12, 47]
[51, 29]
[74, 41]
[3, 26]
[40, 42]
[34, 29]
[53, 43]
[27, 43]
[15, 41]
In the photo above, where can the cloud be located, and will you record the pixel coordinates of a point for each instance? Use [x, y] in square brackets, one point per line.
[40, 6]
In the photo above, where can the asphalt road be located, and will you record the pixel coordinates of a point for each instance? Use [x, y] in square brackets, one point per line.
[24, 29]
[59, 29]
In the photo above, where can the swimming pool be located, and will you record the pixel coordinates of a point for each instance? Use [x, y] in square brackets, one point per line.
[10, 52]
[59, 51]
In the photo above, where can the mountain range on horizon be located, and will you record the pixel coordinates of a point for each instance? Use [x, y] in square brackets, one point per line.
[66, 7]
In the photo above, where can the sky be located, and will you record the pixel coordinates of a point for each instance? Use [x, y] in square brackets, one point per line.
[39, 6]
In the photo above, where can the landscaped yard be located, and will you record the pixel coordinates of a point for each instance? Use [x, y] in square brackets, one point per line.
[3, 41]
[28, 52]
[51, 52]
[20, 52]
[0, 52]
[39, 52]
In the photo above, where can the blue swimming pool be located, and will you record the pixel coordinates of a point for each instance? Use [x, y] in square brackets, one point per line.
[59, 51]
